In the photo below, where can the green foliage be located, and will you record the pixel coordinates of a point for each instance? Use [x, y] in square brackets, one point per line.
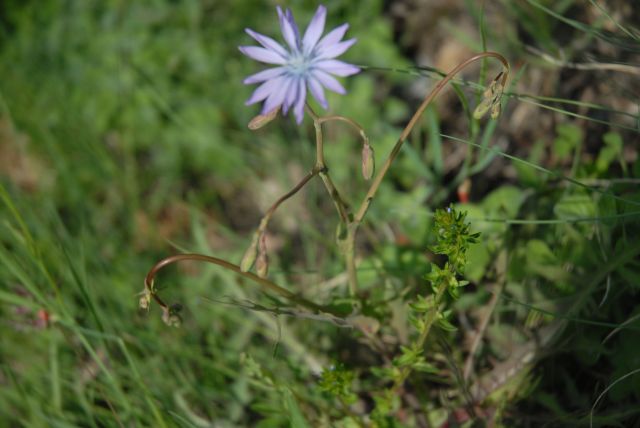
[610, 152]
[123, 139]
[453, 237]
[337, 381]
[568, 139]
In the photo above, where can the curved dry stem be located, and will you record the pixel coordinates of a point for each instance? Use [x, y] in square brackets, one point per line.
[341, 206]
[351, 122]
[414, 120]
[267, 216]
[263, 283]
[373, 189]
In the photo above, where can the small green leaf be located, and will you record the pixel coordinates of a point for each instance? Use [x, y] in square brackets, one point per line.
[611, 151]
[250, 255]
[569, 136]
[422, 304]
[446, 325]
[542, 261]
[424, 367]
[296, 418]
[570, 207]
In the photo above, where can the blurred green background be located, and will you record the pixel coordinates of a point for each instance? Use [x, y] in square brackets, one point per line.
[123, 139]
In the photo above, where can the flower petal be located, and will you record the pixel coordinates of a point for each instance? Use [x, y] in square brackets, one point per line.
[277, 94]
[337, 49]
[314, 30]
[315, 87]
[333, 37]
[304, 64]
[267, 42]
[291, 97]
[289, 28]
[289, 15]
[264, 75]
[262, 54]
[263, 91]
[298, 110]
[329, 82]
[339, 68]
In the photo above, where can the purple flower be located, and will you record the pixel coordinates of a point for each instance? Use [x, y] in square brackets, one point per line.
[308, 62]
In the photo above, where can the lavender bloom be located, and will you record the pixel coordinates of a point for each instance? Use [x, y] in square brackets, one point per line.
[308, 62]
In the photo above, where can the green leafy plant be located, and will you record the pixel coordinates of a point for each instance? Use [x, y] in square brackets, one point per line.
[123, 140]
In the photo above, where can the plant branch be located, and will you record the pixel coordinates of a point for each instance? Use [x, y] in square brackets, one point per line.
[430, 319]
[364, 206]
[482, 328]
[362, 210]
[263, 283]
[267, 216]
[351, 122]
[341, 206]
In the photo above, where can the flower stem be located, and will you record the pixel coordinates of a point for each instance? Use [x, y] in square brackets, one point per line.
[342, 207]
[351, 122]
[412, 123]
[267, 216]
[373, 189]
[350, 260]
[263, 283]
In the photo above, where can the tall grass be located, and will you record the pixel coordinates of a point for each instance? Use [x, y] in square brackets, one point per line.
[123, 139]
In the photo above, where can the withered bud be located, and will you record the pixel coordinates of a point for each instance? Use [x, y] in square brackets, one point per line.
[490, 99]
[249, 257]
[368, 161]
[143, 303]
[463, 192]
[171, 316]
[262, 263]
[367, 325]
[263, 119]
[482, 108]
[495, 110]
[145, 299]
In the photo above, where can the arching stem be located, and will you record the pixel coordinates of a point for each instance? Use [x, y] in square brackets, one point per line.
[263, 283]
[373, 189]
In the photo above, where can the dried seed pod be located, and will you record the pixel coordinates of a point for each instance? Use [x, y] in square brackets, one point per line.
[463, 191]
[262, 263]
[495, 110]
[249, 257]
[171, 315]
[482, 108]
[491, 99]
[144, 301]
[368, 161]
[263, 119]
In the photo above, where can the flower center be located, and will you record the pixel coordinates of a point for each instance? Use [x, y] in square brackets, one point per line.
[298, 63]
